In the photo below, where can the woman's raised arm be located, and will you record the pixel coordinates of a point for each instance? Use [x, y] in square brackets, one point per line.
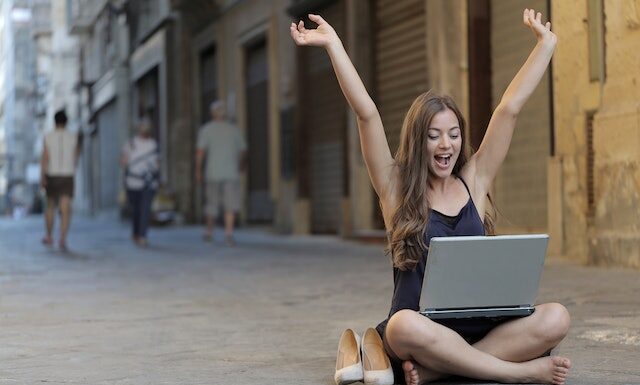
[497, 139]
[373, 141]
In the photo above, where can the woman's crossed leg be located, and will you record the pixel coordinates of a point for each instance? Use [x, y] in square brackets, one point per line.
[509, 353]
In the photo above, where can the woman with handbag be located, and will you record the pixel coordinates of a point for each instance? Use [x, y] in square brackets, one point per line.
[141, 165]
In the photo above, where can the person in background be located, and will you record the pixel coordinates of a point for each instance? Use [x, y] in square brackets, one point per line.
[225, 151]
[141, 165]
[60, 154]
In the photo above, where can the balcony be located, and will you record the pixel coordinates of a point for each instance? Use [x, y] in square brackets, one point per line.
[82, 13]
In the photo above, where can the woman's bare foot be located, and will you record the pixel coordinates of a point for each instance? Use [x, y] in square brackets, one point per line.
[548, 370]
[415, 374]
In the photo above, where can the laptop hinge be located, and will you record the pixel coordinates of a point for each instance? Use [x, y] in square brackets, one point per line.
[478, 309]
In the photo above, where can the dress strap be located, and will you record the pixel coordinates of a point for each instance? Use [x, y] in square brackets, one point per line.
[465, 185]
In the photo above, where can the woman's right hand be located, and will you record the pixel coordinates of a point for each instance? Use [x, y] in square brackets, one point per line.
[323, 36]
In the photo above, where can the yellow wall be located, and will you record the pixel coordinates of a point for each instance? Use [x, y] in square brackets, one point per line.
[612, 236]
[573, 96]
[615, 238]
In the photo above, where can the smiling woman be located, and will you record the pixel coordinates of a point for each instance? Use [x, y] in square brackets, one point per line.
[444, 142]
[446, 155]
[434, 186]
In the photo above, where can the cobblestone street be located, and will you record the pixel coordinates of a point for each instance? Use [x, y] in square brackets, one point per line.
[268, 311]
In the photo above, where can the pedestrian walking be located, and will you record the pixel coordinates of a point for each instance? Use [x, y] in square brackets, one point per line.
[60, 153]
[141, 170]
[435, 187]
[225, 150]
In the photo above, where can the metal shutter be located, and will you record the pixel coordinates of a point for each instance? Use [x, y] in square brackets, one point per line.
[400, 54]
[325, 125]
[209, 82]
[521, 184]
[260, 204]
[109, 153]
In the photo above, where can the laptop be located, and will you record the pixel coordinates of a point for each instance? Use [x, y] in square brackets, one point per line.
[480, 276]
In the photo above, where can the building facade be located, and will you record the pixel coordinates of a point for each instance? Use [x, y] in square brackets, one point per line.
[597, 117]
[101, 29]
[572, 170]
[307, 175]
[19, 156]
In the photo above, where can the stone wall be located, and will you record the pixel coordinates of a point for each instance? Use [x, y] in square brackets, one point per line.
[615, 238]
[607, 231]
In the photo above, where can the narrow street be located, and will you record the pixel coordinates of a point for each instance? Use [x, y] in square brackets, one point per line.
[268, 311]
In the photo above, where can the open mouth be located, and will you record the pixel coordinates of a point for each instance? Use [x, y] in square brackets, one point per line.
[443, 160]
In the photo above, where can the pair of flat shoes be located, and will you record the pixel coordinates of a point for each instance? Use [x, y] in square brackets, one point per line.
[367, 362]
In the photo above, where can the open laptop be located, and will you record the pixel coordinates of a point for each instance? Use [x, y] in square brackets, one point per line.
[479, 276]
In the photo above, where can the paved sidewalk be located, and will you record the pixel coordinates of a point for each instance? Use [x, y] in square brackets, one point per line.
[268, 311]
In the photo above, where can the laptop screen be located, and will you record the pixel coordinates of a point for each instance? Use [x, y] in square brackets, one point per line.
[483, 272]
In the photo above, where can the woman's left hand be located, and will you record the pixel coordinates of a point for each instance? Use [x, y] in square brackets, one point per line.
[541, 31]
[323, 36]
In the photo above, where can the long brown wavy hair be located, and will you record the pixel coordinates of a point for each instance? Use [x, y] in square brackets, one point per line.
[411, 215]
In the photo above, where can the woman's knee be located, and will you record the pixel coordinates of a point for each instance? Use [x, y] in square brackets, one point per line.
[554, 322]
[405, 328]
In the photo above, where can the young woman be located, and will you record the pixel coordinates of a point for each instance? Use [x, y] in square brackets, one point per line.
[434, 188]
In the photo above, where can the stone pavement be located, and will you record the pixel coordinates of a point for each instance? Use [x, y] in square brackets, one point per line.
[268, 311]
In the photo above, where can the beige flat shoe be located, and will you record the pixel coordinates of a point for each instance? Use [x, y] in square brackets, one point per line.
[376, 365]
[348, 362]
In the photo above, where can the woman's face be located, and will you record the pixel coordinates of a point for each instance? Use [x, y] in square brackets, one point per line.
[444, 141]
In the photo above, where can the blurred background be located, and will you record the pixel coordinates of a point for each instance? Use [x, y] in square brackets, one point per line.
[572, 171]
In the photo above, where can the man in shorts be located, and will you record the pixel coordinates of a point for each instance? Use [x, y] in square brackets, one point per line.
[60, 154]
[225, 151]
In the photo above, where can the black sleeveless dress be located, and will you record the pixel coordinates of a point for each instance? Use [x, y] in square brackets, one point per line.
[408, 284]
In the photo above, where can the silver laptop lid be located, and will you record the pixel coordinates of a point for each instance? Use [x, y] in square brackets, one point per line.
[483, 272]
